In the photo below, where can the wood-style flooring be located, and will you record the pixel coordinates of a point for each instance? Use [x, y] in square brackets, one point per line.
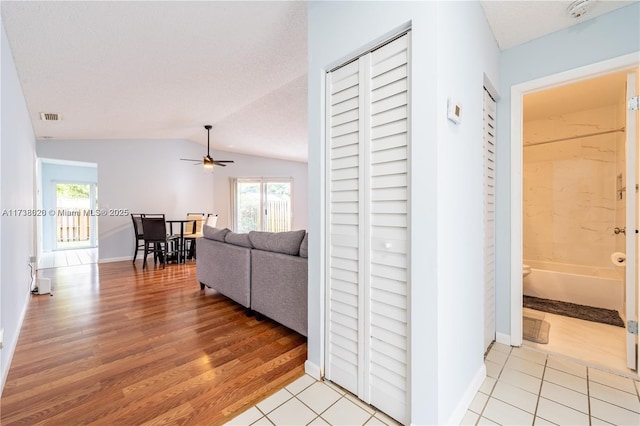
[119, 345]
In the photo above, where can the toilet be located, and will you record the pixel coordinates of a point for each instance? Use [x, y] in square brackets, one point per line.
[526, 270]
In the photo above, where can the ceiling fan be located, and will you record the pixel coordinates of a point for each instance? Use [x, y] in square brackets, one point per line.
[207, 161]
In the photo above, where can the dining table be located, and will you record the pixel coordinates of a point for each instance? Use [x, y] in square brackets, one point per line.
[181, 257]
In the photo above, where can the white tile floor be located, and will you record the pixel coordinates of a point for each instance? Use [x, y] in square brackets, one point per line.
[310, 402]
[523, 387]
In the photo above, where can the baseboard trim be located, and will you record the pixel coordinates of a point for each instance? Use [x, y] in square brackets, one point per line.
[467, 397]
[115, 259]
[9, 350]
[313, 370]
[505, 339]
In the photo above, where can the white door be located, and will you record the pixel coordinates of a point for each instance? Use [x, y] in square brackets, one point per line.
[367, 227]
[632, 224]
[489, 175]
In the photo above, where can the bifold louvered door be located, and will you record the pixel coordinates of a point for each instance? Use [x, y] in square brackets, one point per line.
[367, 237]
[489, 123]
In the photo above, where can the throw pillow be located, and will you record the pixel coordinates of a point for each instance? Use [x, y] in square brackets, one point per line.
[279, 242]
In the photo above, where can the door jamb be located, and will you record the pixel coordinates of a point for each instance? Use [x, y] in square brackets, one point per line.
[517, 94]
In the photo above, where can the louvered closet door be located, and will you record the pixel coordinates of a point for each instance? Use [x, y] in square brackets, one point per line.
[367, 227]
[489, 124]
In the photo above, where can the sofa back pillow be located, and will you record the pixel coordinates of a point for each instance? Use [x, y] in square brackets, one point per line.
[304, 246]
[278, 242]
[238, 239]
[212, 233]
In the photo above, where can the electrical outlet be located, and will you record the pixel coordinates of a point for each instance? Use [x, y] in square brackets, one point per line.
[32, 259]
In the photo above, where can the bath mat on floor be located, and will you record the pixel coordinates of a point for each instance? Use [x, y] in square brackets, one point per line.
[535, 330]
[588, 313]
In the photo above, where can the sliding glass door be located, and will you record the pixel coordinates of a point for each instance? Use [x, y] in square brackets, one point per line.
[262, 205]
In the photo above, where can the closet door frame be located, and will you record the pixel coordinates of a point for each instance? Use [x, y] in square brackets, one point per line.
[364, 332]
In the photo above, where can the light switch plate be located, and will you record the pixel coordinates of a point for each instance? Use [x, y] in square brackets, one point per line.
[454, 110]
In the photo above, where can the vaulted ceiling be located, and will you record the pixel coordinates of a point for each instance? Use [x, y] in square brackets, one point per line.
[164, 69]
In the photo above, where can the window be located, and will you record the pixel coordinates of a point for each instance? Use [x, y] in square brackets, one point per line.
[262, 204]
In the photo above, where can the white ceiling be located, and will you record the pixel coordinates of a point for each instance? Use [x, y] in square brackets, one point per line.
[164, 69]
[518, 21]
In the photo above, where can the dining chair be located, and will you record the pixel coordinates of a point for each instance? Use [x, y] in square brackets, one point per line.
[156, 240]
[191, 238]
[136, 218]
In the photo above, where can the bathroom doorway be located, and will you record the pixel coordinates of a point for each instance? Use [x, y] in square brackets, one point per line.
[574, 213]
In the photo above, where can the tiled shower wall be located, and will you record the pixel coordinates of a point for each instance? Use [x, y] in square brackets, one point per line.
[569, 195]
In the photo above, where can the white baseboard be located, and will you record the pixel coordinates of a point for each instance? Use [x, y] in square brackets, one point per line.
[467, 397]
[313, 370]
[115, 259]
[9, 350]
[505, 339]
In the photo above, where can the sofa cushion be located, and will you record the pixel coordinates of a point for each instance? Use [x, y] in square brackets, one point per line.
[212, 233]
[278, 242]
[304, 246]
[238, 239]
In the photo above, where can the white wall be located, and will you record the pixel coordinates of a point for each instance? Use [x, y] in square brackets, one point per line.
[452, 49]
[142, 176]
[604, 37]
[248, 166]
[17, 158]
[146, 176]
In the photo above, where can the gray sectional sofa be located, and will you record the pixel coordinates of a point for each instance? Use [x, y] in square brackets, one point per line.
[263, 271]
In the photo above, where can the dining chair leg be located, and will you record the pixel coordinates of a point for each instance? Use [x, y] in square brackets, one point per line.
[146, 252]
[135, 251]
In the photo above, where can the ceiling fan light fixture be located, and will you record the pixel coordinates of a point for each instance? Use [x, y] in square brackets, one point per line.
[579, 8]
[208, 162]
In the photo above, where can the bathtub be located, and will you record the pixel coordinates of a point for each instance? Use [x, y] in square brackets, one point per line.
[584, 285]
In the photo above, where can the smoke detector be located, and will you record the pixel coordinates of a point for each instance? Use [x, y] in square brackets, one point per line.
[50, 116]
[579, 8]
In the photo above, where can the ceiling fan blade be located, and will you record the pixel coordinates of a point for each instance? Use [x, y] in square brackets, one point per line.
[189, 159]
[224, 161]
[217, 163]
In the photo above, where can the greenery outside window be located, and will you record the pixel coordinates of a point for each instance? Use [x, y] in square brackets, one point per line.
[262, 204]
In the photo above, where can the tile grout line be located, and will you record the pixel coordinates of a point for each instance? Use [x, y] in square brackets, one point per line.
[494, 386]
[589, 396]
[544, 371]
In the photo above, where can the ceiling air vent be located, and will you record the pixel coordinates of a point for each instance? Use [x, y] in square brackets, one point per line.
[50, 116]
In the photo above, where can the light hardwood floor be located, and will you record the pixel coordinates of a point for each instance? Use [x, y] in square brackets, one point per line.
[119, 345]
